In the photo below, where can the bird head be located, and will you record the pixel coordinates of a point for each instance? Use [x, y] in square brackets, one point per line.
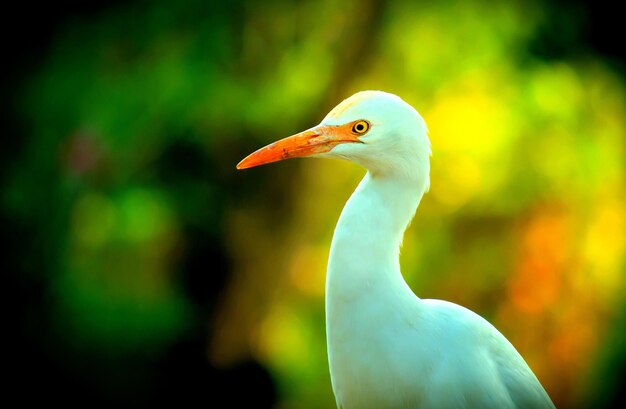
[375, 129]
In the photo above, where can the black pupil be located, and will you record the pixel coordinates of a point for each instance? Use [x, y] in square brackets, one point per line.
[359, 127]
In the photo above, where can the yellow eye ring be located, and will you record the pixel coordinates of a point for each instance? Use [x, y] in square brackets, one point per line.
[360, 127]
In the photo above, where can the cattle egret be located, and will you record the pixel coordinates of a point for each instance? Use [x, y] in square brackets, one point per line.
[387, 348]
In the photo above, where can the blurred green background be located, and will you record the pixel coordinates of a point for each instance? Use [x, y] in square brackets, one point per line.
[141, 268]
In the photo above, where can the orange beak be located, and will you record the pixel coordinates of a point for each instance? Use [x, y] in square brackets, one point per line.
[319, 139]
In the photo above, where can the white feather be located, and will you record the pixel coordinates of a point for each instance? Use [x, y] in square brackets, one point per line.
[387, 348]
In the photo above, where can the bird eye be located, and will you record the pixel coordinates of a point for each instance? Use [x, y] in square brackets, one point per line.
[360, 127]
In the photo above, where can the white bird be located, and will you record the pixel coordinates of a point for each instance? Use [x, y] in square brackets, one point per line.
[387, 348]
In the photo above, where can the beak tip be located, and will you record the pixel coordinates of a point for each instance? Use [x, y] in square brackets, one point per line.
[246, 163]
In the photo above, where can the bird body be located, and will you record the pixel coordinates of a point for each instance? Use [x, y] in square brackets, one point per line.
[390, 349]
[387, 348]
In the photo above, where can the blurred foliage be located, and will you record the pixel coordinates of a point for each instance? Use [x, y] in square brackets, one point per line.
[148, 261]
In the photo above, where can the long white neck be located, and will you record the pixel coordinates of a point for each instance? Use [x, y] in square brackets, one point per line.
[364, 286]
[364, 255]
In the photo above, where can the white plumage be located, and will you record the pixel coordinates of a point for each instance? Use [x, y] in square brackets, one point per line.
[387, 348]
